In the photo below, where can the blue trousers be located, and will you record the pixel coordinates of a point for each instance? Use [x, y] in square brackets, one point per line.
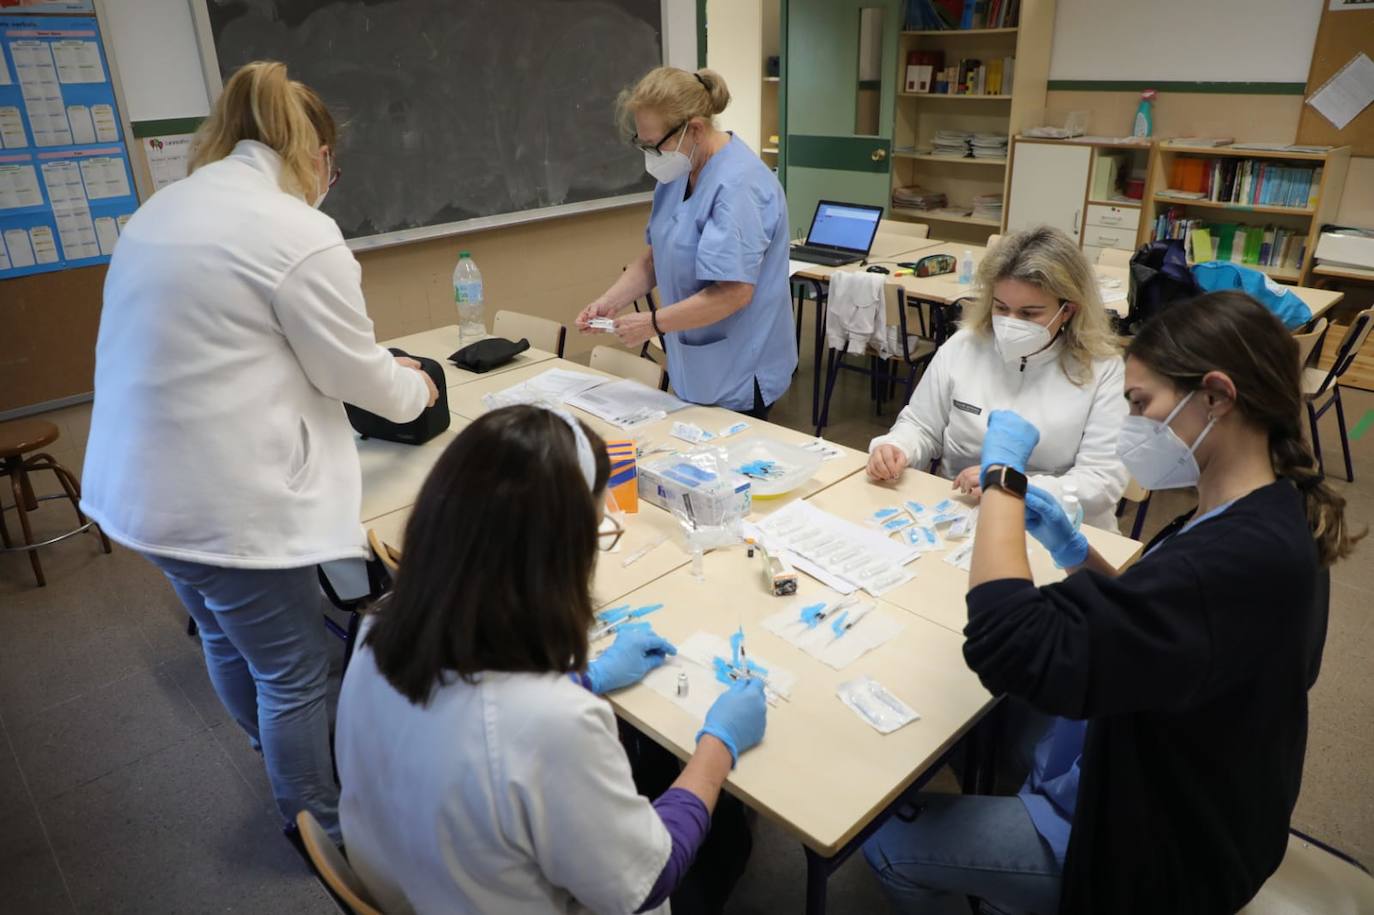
[964, 845]
[264, 643]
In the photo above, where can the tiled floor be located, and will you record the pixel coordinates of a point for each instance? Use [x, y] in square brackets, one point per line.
[125, 788]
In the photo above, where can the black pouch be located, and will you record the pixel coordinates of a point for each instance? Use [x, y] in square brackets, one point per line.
[430, 422]
[485, 355]
[930, 265]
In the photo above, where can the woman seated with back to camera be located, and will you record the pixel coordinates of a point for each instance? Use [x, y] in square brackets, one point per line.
[481, 771]
[1034, 339]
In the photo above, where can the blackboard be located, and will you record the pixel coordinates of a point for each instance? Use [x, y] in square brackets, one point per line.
[454, 110]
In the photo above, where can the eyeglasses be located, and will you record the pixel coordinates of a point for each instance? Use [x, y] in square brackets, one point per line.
[657, 148]
[606, 540]
[335, 173]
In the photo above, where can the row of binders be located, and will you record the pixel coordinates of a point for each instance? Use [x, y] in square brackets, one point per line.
[1258, 246]
[1246, 181]
[940, 15]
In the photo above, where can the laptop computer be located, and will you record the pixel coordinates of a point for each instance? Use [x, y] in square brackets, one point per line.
[840, 233]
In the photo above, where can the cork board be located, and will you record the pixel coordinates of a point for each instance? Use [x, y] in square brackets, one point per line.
[47, 349]
[1341, 35]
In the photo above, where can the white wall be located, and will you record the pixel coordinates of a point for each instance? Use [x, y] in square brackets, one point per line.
[734, 43]
[1190, 40]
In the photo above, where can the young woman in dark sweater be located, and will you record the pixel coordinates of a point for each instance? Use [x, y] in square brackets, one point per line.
[1190, 668]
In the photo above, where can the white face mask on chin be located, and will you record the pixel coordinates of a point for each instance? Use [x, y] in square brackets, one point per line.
[1018, 338]
[1155, 455]
[666, 168]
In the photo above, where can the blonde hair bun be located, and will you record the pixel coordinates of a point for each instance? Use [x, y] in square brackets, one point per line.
[674, 94]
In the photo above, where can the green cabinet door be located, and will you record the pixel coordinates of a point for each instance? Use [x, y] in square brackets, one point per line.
[841, 83]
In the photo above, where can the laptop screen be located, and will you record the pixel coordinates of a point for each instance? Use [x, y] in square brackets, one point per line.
[844, 225]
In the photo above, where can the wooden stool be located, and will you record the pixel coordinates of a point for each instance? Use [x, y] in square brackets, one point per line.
[17, 440]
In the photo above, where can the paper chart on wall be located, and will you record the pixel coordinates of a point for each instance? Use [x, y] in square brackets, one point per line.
[167, 158]
[19, 187]
[1342, 97]
[12, 134]
[19, 248]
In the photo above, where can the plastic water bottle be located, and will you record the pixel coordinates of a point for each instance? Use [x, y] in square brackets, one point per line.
[467, 295]
[966, 268]
[1071, 505]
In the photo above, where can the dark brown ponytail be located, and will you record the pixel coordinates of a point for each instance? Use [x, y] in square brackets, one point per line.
[1232, 333]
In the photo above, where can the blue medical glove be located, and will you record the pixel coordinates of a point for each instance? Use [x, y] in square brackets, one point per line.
[1047, 522]
[738, 717]
[637, 649]
[1008, 443]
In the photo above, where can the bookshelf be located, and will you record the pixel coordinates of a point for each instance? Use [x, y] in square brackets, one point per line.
[770, 103]
[918, 116]
[1226, 220]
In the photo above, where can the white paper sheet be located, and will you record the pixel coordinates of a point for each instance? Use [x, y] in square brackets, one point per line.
[547, 389]
[12, 128]
[104, 177]
[844, 550]
[4, 255]
[624, 403]
[19, 247]
[107, 233]
[878, 627]
[19, 187]
[695, 658]
[44, 247]
[106, 129]
[1345, 95]
[83, 128]
[795, 267]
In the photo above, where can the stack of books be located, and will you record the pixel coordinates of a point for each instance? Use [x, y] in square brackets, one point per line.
[957, 144]
[939, 15]
[976, 77]
[1245, 181]
[1258, 246]
[918, 198]
[989, 146]
[988, 206]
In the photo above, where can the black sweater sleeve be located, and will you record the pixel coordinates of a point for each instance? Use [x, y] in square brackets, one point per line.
[1189, 621]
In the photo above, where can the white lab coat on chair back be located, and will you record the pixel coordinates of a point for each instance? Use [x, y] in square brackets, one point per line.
[233, 328]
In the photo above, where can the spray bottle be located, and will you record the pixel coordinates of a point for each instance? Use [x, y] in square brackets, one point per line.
[1144, 124]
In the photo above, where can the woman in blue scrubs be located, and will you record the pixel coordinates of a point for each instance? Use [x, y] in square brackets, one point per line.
[717, 250]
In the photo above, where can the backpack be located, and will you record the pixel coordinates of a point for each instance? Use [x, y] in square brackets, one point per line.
[1159, 278]
[1282, 301]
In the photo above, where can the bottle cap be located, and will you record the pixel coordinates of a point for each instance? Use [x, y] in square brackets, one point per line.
[463, 254]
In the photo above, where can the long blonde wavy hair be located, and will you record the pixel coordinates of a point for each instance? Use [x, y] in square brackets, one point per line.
[1047, 258]
[261, 103]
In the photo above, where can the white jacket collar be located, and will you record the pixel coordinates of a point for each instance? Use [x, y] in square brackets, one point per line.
[1047, 355]
[260, 157]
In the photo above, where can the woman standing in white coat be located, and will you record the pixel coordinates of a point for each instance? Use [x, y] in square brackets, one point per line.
[1035, 340]
[233, 329]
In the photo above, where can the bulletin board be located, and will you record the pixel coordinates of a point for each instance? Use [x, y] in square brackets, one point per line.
[66, 188]
[1342, 34]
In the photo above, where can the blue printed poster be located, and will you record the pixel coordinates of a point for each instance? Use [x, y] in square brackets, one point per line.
[66, 188]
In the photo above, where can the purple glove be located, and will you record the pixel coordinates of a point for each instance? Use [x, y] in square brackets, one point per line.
[1008, 442]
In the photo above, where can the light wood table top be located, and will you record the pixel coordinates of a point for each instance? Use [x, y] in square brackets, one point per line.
[937, 592]
[393, 473]
[821, 771]
[887, 248]
[612, 579]
[441, 342]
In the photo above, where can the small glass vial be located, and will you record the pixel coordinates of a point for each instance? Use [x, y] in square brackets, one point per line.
[682, 683]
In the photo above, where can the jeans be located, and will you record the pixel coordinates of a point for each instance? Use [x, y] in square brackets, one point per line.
[964, 845]
[263, 638]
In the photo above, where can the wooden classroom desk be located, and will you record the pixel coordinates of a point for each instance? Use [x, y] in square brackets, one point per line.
[393, 473]
[612, 580]
[887, 248]
[937, 592]
[441, 342]
[821, 772]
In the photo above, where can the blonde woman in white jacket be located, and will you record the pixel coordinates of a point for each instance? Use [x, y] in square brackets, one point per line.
[233, 329]
[1035, 339]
